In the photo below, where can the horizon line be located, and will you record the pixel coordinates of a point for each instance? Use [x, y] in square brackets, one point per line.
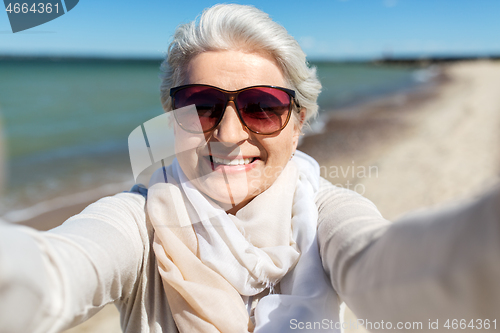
[127, 58]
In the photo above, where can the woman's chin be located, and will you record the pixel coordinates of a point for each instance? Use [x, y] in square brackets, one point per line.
[226, 190]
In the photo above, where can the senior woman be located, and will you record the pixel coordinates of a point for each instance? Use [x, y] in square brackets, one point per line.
[241, 233]
[234, 216]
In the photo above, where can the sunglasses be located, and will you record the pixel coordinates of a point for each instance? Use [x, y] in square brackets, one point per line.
[262, 109]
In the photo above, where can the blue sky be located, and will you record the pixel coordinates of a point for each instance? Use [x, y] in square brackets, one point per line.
[325, 29]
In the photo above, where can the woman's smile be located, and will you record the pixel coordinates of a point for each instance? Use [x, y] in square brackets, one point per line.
[230, 164]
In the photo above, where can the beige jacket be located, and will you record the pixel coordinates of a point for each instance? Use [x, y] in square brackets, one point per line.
[432, 265]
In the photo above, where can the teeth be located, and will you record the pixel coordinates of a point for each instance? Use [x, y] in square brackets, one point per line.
[232, 162]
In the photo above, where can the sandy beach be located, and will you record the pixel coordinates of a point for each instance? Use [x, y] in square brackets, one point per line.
[404, 152]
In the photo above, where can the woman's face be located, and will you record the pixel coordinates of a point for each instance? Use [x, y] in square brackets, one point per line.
[261, 158]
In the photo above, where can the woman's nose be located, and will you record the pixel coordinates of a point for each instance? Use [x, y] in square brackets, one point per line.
[230, 128]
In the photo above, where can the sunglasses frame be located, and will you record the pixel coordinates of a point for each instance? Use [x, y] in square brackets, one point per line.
[232, 96]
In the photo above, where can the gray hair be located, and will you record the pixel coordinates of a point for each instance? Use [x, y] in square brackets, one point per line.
[236, 27]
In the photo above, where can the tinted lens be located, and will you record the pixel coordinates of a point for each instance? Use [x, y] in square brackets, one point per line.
[209, 106]
[264, 110]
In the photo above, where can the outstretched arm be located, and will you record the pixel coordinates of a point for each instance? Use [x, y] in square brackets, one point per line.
[432, 265]
[53, 280]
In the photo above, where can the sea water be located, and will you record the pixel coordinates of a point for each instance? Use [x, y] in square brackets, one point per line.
[65, 123]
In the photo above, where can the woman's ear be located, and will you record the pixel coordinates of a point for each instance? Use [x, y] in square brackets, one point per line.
[298, 127]
[302, 117]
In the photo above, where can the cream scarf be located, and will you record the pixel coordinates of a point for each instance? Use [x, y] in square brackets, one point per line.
[207, 259]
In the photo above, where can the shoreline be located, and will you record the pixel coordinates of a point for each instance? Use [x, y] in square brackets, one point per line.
[357, 129]
[49, 214]
[426, 81]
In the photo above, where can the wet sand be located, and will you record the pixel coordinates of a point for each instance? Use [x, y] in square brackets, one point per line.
[403, 152]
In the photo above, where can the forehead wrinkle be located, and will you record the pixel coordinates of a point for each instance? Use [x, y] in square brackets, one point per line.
[240, 71]
[226, 78]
